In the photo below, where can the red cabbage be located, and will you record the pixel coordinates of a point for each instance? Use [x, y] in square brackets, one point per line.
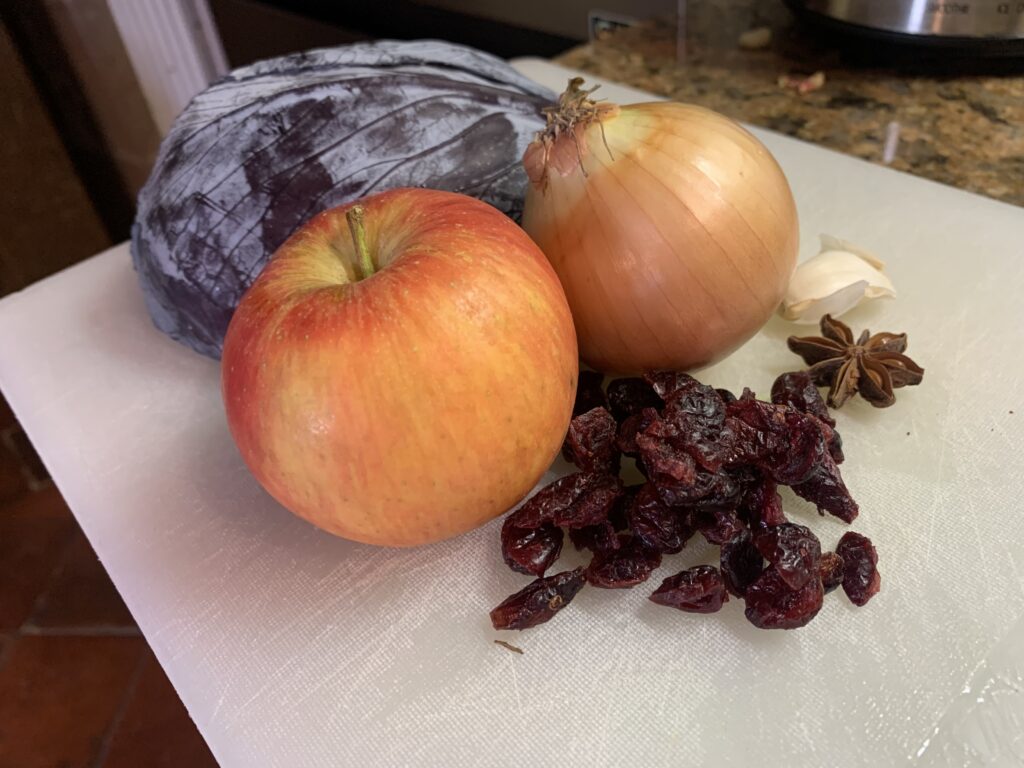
[271, 144]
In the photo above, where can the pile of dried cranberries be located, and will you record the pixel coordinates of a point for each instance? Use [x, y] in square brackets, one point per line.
[713, 463]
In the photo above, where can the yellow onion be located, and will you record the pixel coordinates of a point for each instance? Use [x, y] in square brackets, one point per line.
[672, 229]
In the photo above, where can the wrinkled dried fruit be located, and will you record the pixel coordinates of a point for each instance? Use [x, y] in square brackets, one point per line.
[797, 390]
[766, 433]
[574, 501]
[596, 538]
[834, 442]
[591, 507]
[656, 525]
[697, 407]
[830, 571]
[589, 394]
[700, 405]
[762, 506]
[530, 550]
[619, 516]
[694, 420]
[538, 601]
[717, 525]
[590, 442]
[624, 567]
[562, 493]
[803, 448]
[633, 426]
[793, 550]
[726, 395]
[709, 490]
[668, 383]
[665, 465]
[697, 590]
[791, 447]
[771, 604]
[861, 580]
[741, 563]
[627, 397]
[713, 463]
[825, 488]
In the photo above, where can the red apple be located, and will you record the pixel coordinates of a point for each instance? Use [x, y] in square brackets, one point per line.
[413, 398]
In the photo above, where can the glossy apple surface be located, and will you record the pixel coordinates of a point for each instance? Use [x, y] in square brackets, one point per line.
[414, 404]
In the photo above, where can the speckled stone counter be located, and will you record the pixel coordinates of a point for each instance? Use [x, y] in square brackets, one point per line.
[966, 131]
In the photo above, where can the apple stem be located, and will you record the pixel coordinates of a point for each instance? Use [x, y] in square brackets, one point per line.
[355, 226]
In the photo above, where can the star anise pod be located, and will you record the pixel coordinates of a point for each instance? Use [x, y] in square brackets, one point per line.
[872, 365]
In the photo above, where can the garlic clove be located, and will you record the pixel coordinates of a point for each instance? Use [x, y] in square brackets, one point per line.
[839, 278]
[835, 304]
[830, 243]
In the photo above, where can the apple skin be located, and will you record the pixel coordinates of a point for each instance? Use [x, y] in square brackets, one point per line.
[418, 403]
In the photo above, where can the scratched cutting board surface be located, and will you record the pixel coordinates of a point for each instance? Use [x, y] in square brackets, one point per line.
[293, 648]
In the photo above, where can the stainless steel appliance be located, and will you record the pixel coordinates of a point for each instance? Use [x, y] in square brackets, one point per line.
[982, 26]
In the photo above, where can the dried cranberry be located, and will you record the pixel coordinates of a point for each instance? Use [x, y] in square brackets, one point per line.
[695, 419]
[726, 395]
[538, 601]
[619, 516]
[797, 390]
[741, 563]
[717, 525]
[666, 465]
[541, 507]
[669, 463]
[656, 525]
[771, 604]
[530, 550]
[762, 506]
[825, 488]
[783, 442]
[624, 567]
[830, 571]
[697, 590]
[790, 447]
[835, 448]
[627, 397]
[708, 490]
[631, 427]
[592, 506]
[760, 428]
[697, 410]
[589, 394]
[861, 580]
[806, 449]
[713, 463]
[567, 498]
[793, 550]
[723, 489]
[745, 476]
[833, 442]
[596, 538]
[668, 383]
[590, 442]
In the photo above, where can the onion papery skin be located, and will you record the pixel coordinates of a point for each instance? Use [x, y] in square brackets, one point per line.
[674, 233]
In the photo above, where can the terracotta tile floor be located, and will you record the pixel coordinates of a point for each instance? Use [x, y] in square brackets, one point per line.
[79, 687]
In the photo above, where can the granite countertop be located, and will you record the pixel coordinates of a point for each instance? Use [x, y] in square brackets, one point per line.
[962, 130]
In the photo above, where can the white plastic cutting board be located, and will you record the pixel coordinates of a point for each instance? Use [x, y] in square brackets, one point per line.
[292, 648]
